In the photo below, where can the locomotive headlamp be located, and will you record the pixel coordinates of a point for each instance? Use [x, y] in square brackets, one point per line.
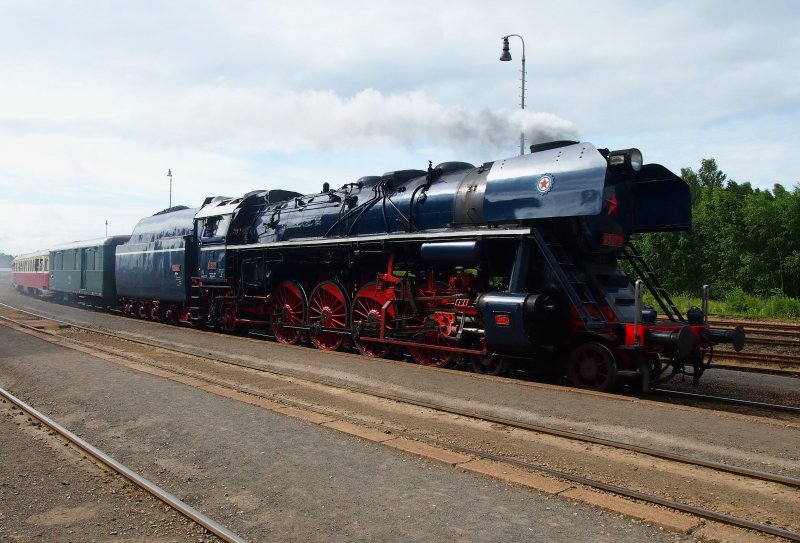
[636, 160]
[632, 158]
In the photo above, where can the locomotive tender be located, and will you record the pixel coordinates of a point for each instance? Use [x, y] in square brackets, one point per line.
[514, 262]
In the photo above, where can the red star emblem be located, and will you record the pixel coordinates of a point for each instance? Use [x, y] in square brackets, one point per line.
[543, 184]
[613, 205]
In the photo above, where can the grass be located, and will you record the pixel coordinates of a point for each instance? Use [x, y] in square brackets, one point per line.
[738, 304]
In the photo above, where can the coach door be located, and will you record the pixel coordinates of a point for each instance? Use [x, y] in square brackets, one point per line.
[83, 268]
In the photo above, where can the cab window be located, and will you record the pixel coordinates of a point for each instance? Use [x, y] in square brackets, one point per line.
[213, 227]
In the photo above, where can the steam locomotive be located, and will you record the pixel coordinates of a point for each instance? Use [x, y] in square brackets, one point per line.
[513, 263]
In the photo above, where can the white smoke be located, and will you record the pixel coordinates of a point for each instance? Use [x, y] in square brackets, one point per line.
[289, 121]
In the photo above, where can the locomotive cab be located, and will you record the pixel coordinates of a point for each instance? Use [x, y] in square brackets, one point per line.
[212, 228]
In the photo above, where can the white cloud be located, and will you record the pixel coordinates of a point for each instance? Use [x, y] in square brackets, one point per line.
[98, 100]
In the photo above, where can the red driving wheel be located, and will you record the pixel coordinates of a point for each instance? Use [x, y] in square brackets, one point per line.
[328, 307]
[288, 309]
[366, 318]
[430, 355]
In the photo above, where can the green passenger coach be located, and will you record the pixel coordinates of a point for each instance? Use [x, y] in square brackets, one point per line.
[85, 269]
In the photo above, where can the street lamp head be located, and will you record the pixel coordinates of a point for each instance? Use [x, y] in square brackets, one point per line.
[506, 56]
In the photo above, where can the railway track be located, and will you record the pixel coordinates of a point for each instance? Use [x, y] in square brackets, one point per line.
[764, 362]
[779, 329]
[774, 341]
[730, 401]
[766, 337]
[151, 488]
[674, 461]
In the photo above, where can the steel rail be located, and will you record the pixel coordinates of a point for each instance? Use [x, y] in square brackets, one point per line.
[759, 327]
[722, 399]
[696, 510]
[763, 328]
[151, 488]
[788, 359]
[758, 370]
[512, 423]
[773, 341]
[664, 455]
[635, 494]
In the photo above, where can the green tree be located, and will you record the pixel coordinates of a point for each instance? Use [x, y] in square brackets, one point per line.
[741, 238]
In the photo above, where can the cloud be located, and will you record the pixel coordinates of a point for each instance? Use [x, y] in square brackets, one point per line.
[97, 101]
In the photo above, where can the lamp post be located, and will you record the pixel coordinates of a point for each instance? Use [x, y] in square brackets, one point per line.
[505, 57]
[169, 174]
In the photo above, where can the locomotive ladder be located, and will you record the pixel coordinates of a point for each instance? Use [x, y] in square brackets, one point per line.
[194, 303]
[572, 279]
[650, 280]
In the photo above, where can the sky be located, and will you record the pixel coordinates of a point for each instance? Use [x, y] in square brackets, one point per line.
[99, 100]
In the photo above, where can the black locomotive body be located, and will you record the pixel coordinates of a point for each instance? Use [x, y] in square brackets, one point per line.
[154, 268]
[514, 262]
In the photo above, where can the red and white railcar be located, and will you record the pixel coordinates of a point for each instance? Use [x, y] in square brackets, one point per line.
[30, 273]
